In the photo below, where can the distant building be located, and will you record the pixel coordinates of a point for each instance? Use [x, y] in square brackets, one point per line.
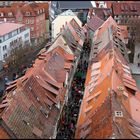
[94, 22]
[5, 3]
[61, 20]
[33, 15]
[128, 14]
[12, 35]
[81, 8]
[102, 13]
[101, 4]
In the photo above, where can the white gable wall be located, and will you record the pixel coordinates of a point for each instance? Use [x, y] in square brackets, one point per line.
[60, 21]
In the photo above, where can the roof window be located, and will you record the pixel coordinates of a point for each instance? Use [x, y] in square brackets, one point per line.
[118, 114]
[120, 88]
[10, 14]
[27, 14]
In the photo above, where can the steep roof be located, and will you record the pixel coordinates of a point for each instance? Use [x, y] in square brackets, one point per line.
[108, 109]
[73, 35]
[94, 23]
[34, 9]
[103, 12]
[32, 106]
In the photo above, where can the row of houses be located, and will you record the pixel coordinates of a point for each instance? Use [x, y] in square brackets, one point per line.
[110, 105]
[125, 13]
[32, 105]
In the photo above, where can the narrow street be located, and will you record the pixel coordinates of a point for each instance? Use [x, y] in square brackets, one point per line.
[67, 125]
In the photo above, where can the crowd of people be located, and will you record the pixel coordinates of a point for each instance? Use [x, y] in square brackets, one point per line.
[68, 124]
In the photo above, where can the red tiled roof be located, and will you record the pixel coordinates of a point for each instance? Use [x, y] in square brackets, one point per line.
[126, 8]
[3, 134]
[106, 92]
[94, 23]
[25, 7]
[39, 92]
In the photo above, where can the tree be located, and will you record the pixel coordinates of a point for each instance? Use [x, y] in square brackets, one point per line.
[17, 57]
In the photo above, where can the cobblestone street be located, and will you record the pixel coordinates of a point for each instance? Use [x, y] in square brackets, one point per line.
[69, 120]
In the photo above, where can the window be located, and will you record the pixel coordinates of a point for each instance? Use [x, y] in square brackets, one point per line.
[10, 35]
[138, 55]
[118, 114]
[27, 14]
[4, 47]
[32, 21]
[11, 43]
[5, 55]
[1, 14]
[15, 41]
[38, 12]
[27, 21]
[27, 42]
[20, 19]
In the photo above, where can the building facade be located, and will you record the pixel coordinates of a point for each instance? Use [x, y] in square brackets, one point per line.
[33, 15]
[12, 35]
[128, 13]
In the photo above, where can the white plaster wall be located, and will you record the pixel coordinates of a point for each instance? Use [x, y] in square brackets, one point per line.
[60, 21]
[62, 43]
[7, 42]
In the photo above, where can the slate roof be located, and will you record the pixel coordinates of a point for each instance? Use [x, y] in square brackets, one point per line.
[32, 104]
[75, 4]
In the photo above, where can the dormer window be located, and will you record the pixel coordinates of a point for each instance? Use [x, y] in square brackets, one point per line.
[118, 114]
[10, 14]
[1, 14]
[38, 12]
[27, 13]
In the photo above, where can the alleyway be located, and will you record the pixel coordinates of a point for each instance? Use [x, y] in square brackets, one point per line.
[67, 125]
